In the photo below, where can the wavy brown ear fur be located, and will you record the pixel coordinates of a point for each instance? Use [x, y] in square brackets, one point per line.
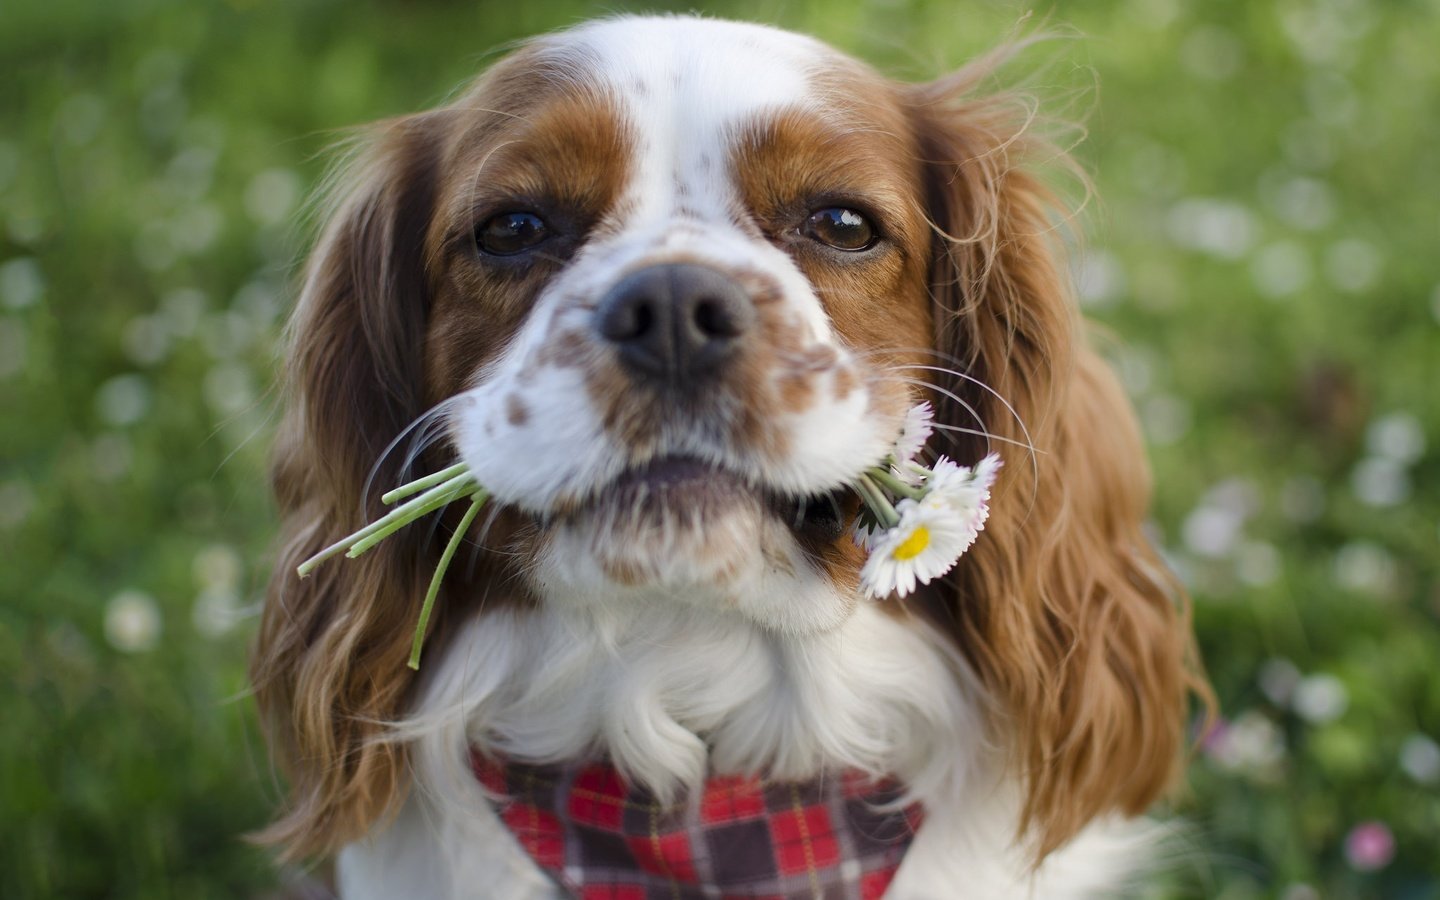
[325, 662]
[1063, 606]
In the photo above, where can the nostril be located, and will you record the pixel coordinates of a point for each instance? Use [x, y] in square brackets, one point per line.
[642, 319]
[714, 319]
[630, 320]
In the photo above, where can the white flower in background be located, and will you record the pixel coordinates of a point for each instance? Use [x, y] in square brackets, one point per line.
[132, 622]
[1099, 279]
[1212, 53]
[1218, 227]
[1353, 265]
[123, 400]
[272, 194]
[1420, 758]
[229, 388]
[217, 565]
[1257, 563]
[22, 284]
[1366, 568]
[146, 339]
[1281, 269]
[216, 611]
[1381, 482]
[1252, 744]
[922, 547]
[1278, 680]
[1165, 418]
[1211, 531]
[914, 432]
[183, 309]
[1320, 699]
[1398, 437]
[1299, 201]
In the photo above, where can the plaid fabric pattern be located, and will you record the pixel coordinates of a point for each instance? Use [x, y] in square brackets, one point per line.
[836, 838]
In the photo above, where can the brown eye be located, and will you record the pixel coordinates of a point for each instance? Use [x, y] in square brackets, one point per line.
[510, 233]
[841, 228]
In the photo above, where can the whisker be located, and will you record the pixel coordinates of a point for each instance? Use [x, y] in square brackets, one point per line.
[920, 382]
[425, 437]
[1027, 444]
[478, 543]
[983, 386]
[987, 435]
[420, 421]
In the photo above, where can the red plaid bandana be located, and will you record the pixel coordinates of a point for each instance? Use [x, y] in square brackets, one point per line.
[602, 839]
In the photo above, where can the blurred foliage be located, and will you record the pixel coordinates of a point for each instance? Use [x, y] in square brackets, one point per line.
[1265, 250]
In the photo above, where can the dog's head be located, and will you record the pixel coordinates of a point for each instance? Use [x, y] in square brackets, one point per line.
[668, 285]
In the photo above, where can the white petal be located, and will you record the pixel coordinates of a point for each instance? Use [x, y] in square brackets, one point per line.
[950, 535]
[914, 432]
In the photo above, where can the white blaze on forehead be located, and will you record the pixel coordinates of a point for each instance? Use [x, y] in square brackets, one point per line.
[687, 88]
[686, 85]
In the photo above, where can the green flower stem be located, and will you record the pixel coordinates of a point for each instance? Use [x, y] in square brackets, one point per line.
[895, 485]
[421, 484]
[875, 499]
[401, 514]
[434, 591]
[426, 503]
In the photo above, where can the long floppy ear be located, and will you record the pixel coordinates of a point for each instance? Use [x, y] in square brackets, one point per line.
[1070, 617]
[328, 664]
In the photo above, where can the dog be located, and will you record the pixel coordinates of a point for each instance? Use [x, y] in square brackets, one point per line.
[667, 285]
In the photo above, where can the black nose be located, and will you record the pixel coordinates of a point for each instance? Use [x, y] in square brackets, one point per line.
[676, 321]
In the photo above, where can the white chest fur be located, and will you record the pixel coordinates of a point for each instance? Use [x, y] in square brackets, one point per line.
[643, 684]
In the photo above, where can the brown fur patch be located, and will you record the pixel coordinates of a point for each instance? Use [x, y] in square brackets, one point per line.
[515, 412]
[797, 390]
[398, 312]
[564, 159]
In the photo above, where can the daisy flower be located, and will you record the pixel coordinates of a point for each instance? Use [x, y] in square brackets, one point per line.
[963, 489]
[935, 517]
[914, 432]
[922, 547]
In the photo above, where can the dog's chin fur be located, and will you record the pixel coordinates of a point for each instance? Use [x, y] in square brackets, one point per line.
[722, 548]
[662, 577]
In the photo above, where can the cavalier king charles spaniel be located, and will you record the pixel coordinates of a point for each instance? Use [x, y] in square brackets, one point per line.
[667, 285]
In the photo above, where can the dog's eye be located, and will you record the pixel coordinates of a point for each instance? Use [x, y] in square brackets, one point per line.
[510, 233]
[841, 228]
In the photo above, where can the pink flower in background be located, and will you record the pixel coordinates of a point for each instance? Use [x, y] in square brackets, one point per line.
[1369, 846]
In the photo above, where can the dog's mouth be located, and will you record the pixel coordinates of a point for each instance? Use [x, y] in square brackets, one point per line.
[692, 491]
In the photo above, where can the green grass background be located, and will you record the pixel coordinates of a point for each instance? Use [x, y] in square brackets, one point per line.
[1266, 248]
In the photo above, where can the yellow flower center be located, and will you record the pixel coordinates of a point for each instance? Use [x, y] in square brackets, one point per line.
[914, 545]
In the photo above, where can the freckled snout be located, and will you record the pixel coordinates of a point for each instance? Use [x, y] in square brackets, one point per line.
[675, 323]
